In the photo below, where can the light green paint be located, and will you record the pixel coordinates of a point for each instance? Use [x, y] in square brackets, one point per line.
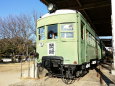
[71, 49]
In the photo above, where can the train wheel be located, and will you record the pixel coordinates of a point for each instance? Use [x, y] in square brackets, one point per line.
[84, 72]
[68, 77]
[81, 73]
[77, 74]
[41, 72]
[68, 81]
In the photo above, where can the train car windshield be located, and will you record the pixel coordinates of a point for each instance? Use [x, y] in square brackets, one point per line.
[52, 32]
[67, 30]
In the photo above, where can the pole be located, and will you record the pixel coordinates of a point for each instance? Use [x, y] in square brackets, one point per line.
[21, 68]
[34, 67]
[113, 34]
[113, 31]
[28, 66]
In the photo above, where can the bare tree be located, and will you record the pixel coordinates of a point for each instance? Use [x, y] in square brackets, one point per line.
[35, 17]
[15, 29]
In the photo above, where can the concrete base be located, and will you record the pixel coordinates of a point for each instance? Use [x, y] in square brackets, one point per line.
[26, 74]
[113, 72]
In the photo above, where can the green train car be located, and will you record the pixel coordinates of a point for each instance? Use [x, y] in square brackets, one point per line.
[67, 45]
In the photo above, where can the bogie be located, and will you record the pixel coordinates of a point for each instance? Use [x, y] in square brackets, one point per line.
[55, 67]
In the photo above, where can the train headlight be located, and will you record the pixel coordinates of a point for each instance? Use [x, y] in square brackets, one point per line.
[88, 65]
[51, 8]
[93, 62]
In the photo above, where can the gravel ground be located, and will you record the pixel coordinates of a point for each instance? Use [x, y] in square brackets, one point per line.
[10, 73]
[10, 76]
[91, 79]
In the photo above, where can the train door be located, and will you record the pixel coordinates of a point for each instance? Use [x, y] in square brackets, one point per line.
[83, 48]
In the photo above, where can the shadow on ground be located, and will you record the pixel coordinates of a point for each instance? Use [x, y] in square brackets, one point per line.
[105, 78]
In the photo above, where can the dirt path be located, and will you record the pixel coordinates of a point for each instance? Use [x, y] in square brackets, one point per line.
[10, 76]
[91, 79]
[10, 73]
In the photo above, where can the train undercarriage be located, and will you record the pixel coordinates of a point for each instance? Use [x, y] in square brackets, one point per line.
[53, 66]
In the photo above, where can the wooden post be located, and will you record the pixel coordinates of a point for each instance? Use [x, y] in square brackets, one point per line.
[21, 68]
[34, 67]
[113, 33]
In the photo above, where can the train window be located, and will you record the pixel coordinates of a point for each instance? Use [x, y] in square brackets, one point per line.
[90, 38]
[87, 36]
[52, 32]
[41, 33]
[87, 33]
[67, 30]
[67, 34]
[67, 27]
[94, 42]
[82, 30]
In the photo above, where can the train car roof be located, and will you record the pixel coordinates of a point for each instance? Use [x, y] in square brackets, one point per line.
[57, 12]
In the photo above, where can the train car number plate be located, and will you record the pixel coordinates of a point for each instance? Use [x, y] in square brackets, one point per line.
[51, 49]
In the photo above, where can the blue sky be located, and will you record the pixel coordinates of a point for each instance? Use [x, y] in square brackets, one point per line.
[17, 7]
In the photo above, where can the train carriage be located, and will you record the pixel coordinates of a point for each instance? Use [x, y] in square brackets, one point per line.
[66, 43]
